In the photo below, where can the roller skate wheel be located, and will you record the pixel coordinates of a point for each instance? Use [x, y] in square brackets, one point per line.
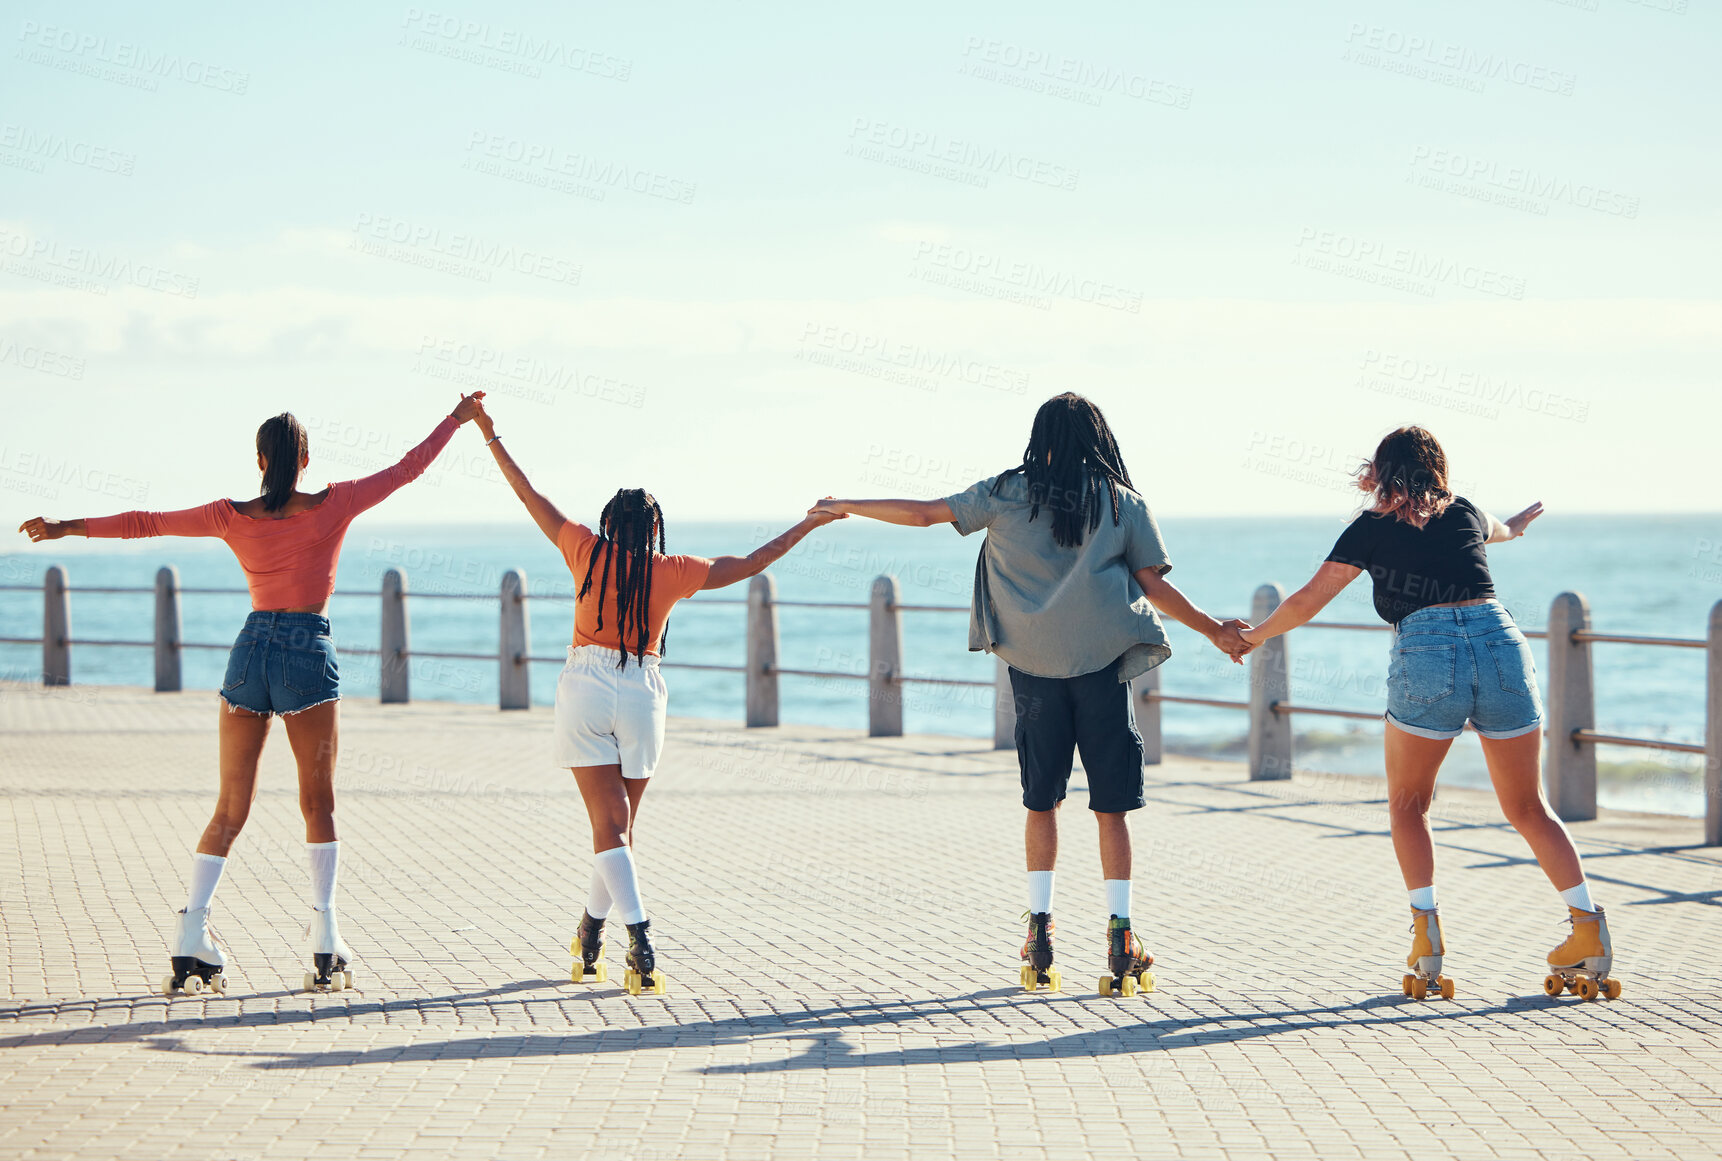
[658, 982]
[193, 985]
[574, 949]
[631, 982]
[1419, 987]
[1054, 981]
[1409, 982]
[1573, 986]
[1128, 985]
[1611, 989]
[1145, 982]
[1446, 987]
[1029, 977]
[310, 981]
[577, 973]
[1587, 989]
[347, 978]
[1554, 985]
[218, 984]
[167, 985]
[1106, 985]
[601, 973]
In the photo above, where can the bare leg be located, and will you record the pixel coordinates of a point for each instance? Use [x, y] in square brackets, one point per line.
[1114, 845]
[1040, 838]
[1412, 763]
[314, 735]
[1515, 767]
[242, 734]
[636, 788]
[609, 804]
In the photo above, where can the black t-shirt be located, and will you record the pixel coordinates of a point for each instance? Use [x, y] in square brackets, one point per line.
[1414, 568]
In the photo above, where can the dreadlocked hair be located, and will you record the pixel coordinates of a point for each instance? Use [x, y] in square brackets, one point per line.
[626, 537]
[1071, 456]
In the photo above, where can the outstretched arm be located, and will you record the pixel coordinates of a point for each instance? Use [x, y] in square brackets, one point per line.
[1325, 585]
[546, 515]
[1515, 525]
[726, 570]
[209, 520]
[913, 513]
[1167, 597]
[379, 486]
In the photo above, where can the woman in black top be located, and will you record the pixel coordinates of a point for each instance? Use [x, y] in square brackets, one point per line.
[1457, 657]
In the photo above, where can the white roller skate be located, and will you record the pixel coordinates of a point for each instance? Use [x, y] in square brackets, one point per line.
[330, 956]
[198, 961]
[1427, 950]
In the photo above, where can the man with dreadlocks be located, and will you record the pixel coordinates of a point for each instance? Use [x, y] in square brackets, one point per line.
[611, 701]
[1065, 591]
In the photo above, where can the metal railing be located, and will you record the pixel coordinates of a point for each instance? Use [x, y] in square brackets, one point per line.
[1570, 729]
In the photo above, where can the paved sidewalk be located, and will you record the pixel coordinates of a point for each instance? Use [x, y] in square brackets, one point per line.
[839, 918]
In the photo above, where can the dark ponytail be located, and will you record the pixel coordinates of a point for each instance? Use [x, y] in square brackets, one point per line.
[282, 444]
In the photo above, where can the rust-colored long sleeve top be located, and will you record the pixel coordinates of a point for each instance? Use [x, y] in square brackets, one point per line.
[289, 562]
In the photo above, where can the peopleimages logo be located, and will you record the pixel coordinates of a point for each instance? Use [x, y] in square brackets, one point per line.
[88, 52]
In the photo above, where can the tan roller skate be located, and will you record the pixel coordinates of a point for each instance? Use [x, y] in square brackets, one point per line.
[1037, 969]
[1427, 948]
[1581, 964]
[1127, 960]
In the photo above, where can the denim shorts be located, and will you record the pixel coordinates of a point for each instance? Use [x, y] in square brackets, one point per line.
[1453, 665]
[1058, 717]
[282, 663]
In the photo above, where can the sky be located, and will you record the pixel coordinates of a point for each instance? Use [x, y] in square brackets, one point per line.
[746, 256]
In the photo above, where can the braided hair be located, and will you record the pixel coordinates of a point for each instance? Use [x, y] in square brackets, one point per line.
[1071, 455]
[626, 531]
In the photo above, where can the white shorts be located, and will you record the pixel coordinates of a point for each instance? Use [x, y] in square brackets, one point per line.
[607, 716]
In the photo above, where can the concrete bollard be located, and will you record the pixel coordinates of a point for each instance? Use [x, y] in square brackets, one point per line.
[885, 661]
[514, 644]
[762, 651]
[1004, 707]
[1147, 713]
[56, 629]
[394, 648]
[1270, 733]
[1713, 731]
[167, 630]
[1570, 768]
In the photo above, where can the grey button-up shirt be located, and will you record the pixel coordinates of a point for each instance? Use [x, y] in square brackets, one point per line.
[1062, 612]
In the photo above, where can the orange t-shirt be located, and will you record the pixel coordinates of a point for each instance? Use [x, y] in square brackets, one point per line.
[673, 578]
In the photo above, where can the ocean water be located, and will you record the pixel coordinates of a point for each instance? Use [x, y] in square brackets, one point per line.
[1641, 574]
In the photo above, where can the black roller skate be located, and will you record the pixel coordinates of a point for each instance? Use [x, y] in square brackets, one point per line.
[589, 947]
[1128, 960]
[642, 974]
[1037, 969]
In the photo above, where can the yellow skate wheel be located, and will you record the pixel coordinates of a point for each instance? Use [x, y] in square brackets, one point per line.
[574, 946]
[658, 982]
[1106, 985]
[577, 973]
[1145, 982]
[1030, 978]
[1055, 981]
[1587, 989]
[1446, 987]
[1554, 985]
[1128, 983]
[1611, 989]
[1419, 987]
[601, 973]
[1408, 983]
[631, 981]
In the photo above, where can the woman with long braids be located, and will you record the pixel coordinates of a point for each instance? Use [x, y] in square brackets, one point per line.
[1065, 591]
[611, 700]
[1457, 657]
[283, 662]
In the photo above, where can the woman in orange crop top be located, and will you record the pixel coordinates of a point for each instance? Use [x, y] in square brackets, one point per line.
[611, 699]
[287, 542]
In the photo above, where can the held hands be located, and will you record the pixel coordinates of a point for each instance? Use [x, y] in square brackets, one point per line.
[824, 512]
[469, 407]
[486, 425]
[1516, 525]
[40, 528]
[1231, 641]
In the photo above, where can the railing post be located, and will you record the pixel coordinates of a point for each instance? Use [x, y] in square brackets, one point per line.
[56, 629]
[514, 644]
[1148, 715]
[394, 648]
[167, 671]
[762, 651]
[885, 661]
[1270, 733]
[1004, 707]
[1713, 731]
[1571, 765]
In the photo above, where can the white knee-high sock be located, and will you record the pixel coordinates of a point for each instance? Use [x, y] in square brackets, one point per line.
[325, 861]
[598, 897]
[1039, 891]
[205, 875]
[1118, 897]
[616, 865]
[1579, 896]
